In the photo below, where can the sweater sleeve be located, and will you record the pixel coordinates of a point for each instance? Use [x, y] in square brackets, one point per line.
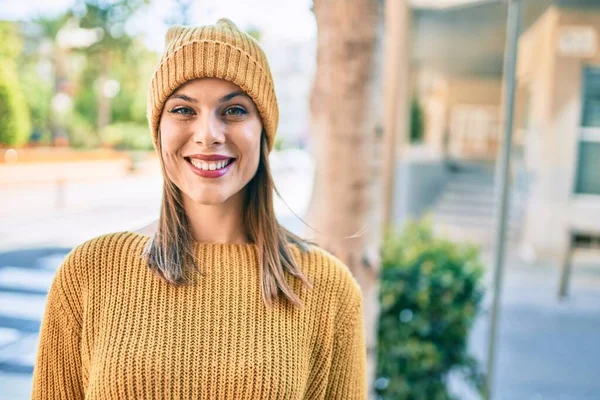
[347, 377]
[57, 372]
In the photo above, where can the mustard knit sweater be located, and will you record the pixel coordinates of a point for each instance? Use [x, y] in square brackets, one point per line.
[114, 330]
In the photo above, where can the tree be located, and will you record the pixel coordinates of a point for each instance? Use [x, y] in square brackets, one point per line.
[43, 74]
[48, 76]
[396, 65]
[111, 17]
[15, 125]
[344, 206]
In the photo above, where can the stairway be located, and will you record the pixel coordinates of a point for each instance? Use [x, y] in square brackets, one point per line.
[465, 211]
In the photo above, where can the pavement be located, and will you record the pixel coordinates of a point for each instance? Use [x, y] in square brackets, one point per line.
[547, 349]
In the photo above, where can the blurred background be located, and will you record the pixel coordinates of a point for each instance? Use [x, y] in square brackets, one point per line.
[76, 161]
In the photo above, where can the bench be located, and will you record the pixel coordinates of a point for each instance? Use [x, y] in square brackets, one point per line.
[577, 239]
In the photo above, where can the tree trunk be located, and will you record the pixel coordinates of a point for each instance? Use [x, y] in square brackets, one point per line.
[396, 94]
[345, 112]
[104, 102]
[56, 123]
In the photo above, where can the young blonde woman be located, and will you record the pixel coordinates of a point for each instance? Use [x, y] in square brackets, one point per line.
[219, 301]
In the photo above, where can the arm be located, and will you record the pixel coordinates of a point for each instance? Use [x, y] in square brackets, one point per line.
[348, 377]
[57, 371]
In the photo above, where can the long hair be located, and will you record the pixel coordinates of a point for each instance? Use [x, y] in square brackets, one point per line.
[170, 252]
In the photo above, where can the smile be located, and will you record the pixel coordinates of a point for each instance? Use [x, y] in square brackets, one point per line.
[210, 169]
[210, 165]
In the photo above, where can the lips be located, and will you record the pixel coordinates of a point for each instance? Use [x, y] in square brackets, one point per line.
[210, 165]
[210, 169]
[209, 157]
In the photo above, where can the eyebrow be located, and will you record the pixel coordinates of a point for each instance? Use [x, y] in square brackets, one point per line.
[222, 100]
[231, 96]
[183, 97]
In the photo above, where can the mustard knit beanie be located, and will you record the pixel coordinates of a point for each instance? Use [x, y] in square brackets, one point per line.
[213, 51]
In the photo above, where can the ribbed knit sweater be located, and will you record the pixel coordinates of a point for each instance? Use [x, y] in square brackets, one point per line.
[112, 329]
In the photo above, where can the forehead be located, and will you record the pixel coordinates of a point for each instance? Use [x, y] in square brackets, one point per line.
[208, 88]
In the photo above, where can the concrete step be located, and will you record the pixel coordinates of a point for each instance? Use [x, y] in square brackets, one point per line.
[458, 194]
[466, 210]
[466, 187]
[474, 200]
[474, 235]
[488, 222]
[474, 208]
[474, 217]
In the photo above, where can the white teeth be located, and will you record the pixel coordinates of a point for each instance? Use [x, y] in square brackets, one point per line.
[209, 166]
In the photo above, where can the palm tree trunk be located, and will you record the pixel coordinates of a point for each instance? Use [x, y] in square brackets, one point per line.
[396, 66]
[344, 206]
[57, 124]
[104, 102]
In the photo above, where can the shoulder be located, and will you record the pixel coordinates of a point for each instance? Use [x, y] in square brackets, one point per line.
[108, 242]
[329, 275]
[92, 253]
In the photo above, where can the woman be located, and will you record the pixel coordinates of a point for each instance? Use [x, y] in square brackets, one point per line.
[220, 301]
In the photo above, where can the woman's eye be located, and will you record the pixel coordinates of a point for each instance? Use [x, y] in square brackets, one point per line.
[235, 111]
[182, 111]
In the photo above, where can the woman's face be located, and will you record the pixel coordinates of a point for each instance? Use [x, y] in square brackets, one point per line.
[210, 133]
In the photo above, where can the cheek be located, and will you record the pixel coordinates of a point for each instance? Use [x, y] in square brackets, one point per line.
[252, 152]
[171, 141]
[168, 136]
[172, 136]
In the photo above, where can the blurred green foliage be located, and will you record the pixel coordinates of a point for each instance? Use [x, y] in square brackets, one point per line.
[431, 292]
[112, 57]
[279, 143]
[92, 93]
[128, 136]
[15, 123]
[50, 89]
[82, 134]
[38, 94]
[36, 69]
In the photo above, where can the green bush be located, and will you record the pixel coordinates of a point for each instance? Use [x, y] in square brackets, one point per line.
[128, 136]
[82, 134]
[15, 123]
[279, 143]
[38, 94]
[431, 292]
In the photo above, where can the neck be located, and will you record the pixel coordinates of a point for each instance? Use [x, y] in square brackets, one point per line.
[218, 223]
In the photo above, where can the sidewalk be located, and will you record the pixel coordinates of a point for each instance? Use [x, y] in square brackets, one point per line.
[547, 348]
[43, 215]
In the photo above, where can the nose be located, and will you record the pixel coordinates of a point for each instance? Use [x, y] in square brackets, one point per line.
[207, 131]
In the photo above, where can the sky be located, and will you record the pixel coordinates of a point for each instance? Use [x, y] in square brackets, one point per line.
[289, 20]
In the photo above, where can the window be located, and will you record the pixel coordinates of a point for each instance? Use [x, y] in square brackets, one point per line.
[591, 98]
[588, 169]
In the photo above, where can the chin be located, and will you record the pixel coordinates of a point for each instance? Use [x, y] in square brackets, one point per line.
[209, 199]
